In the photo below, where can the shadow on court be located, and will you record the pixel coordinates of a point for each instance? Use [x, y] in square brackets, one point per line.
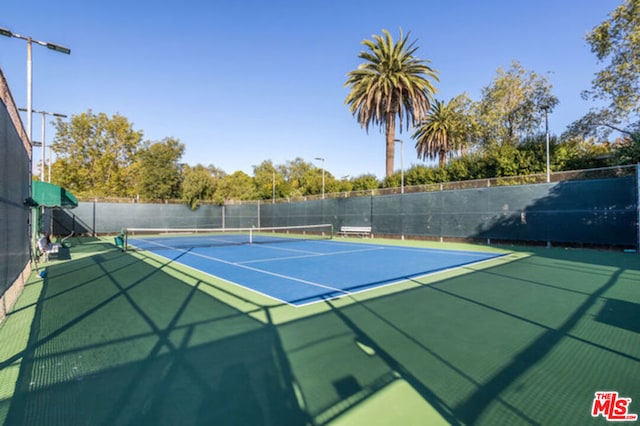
[528, 342]
[116, 340]
[597, 212]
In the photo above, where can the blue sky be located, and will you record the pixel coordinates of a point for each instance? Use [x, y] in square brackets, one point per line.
[240, 82]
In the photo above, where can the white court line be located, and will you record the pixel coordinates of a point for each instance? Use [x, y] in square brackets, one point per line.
[439, 251]
[226, 262]
[371, 247]
[309, 255]
[452, 252]
[343, 292]
[403, 280]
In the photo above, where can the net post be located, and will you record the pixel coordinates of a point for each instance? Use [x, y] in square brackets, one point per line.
[250, 235]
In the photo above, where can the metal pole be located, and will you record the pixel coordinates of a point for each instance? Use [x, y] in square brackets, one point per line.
[43, 146]
[8, 33]
[323, 178]
[29, 88]
[43, 142]
[49, 169]
[546, 121]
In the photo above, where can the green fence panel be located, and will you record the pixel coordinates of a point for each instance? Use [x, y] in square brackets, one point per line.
[271, 214]
[386, 214]
[99, 218]
[596, 211]
[15, 176]
[600, 211]
[241, 216]
[354, 211]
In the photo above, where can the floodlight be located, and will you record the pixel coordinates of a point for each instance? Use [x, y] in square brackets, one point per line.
[58, 48]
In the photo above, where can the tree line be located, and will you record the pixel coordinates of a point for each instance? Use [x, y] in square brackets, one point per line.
[393, 88]
[501, 134]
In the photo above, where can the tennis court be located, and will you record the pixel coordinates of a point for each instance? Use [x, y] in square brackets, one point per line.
[528, 337]
[299, 270]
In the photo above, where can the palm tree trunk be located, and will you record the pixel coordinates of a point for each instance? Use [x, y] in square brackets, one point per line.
[442, 158]
[390, 133]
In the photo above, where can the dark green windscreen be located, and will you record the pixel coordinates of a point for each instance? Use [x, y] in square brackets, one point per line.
[15, 176]
[596, 211]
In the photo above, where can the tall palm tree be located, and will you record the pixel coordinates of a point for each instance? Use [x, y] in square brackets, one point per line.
[391, 83]
[441, 132]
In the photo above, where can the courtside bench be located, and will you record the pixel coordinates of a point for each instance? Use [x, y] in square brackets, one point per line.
[362, 231]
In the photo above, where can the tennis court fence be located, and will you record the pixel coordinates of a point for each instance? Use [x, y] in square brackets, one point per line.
[15, 180]
[600, 210]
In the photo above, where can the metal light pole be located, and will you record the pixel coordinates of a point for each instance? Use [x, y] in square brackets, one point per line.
[401, 164]
[43, 143]
[8, 33]
[545, 108]
[30, 41]
[322, 159]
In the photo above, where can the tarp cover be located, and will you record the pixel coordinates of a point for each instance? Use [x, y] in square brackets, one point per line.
[50, 195]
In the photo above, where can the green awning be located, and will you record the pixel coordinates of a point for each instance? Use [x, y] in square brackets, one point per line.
[50, 195]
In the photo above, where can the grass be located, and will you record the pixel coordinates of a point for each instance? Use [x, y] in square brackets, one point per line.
[127, 338]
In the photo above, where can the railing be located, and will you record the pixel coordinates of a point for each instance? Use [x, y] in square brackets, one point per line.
[599, 173]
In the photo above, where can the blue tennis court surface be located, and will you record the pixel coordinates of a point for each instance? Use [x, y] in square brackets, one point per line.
[301, 272]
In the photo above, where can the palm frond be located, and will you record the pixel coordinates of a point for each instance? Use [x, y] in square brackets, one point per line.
[390, 82]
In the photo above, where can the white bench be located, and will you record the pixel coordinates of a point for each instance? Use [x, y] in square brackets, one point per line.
[362, 231]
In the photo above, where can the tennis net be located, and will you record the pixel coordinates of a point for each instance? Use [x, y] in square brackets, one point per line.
[186, 238]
